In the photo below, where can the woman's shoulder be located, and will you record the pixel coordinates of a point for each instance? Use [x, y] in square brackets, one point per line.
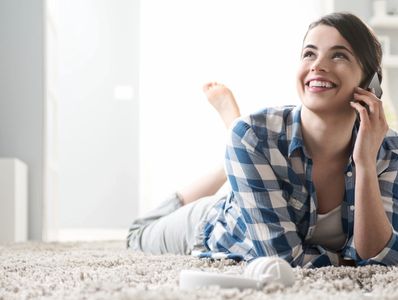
[273, 111]
[270, 121]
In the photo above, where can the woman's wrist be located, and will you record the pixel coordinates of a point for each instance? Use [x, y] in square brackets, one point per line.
[365, 166]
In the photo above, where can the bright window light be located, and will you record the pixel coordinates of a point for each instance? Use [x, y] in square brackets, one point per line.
[251, 46]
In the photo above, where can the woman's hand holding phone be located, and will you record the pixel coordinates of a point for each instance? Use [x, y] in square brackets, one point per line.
[372, 129]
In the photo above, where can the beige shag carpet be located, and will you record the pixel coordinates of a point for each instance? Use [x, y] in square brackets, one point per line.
[106, 270]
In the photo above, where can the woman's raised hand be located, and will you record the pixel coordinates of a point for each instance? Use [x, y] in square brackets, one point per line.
[372, 129]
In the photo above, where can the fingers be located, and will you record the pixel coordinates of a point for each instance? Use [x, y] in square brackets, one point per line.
[362, 111]
[370, 110]
[369, 99]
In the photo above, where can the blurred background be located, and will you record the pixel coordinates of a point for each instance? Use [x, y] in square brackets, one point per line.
[102, 100]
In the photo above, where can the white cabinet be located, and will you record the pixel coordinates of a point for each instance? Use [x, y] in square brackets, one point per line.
[13, 200]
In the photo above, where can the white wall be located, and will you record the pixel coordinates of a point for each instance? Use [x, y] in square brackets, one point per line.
[22, 96]
[98, 133]
[362, 8]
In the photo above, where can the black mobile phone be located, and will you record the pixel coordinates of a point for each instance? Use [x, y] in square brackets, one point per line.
[375, 84]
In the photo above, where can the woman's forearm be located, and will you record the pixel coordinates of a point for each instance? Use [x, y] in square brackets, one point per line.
[372, 229]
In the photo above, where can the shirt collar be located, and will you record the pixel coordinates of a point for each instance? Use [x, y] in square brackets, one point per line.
[355, 132]
[294, 135]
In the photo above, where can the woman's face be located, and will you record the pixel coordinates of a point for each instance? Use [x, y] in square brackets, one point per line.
[329, 71]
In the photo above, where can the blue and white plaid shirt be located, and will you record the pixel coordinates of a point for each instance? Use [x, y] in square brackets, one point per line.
[272, 209]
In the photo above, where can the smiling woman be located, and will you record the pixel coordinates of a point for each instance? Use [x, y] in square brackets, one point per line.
[315, 184]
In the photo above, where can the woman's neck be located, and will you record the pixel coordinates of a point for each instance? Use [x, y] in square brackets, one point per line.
[327, 136]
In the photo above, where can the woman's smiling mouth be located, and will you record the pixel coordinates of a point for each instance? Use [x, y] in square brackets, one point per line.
[319, 85]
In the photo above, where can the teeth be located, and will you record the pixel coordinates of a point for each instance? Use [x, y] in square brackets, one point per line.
[316, 83]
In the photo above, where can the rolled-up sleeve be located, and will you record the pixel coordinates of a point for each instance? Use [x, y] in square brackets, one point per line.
[388, 182]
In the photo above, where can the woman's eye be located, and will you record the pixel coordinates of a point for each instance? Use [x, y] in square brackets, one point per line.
[308, 54]
[340, 55]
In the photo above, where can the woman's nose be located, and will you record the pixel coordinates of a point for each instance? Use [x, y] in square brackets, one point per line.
[319, 65]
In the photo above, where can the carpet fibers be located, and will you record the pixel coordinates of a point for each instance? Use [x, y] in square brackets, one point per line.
[106, 270]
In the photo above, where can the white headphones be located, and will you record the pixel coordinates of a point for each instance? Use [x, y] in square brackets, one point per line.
[257, 274]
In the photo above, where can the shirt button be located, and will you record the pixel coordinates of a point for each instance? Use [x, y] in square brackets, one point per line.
[349, 174]
[352, 207]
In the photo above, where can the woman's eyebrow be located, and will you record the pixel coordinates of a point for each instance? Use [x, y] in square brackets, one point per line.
[311, 46]
[341, 47]
[336, 47]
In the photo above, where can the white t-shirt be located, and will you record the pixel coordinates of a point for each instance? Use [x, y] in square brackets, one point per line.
[328, 231]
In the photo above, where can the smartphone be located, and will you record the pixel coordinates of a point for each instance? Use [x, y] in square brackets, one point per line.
[374, 83]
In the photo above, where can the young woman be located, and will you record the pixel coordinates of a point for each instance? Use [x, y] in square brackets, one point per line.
[314, 184]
